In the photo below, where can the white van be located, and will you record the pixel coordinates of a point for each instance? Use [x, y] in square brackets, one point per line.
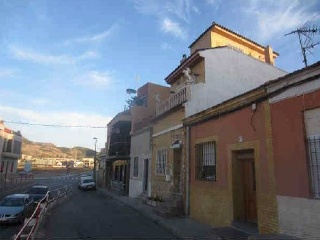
[87, 183]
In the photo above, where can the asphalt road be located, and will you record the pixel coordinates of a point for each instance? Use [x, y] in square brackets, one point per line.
[90, 214]
[7, 231]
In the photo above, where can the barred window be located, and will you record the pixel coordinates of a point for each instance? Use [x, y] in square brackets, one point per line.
[206, 161]
[135, 166]
[314, 165]
[161, 161]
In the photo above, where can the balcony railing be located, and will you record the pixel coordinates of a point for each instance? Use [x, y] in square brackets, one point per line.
[175, 100]
[119, 149]
[11, 155]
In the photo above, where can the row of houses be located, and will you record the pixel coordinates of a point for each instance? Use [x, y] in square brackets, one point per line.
[233, 140]
[10, 150]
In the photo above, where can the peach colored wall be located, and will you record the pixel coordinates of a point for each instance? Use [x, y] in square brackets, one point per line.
[289, 144]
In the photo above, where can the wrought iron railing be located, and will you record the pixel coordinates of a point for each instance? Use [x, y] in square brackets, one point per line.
[314, 165]
[119, 149]
[175, 100]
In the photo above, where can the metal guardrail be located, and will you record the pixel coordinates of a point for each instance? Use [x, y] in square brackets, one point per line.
[31, 225]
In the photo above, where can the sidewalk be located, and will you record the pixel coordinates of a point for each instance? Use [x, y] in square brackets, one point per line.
[186, 228]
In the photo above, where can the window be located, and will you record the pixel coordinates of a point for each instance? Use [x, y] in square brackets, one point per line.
[314, 165]
[206, 161]
[9, 146]
[17, 147]
[161, 161]
[135, 166]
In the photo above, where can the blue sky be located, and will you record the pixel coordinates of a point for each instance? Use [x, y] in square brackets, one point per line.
[70, 62]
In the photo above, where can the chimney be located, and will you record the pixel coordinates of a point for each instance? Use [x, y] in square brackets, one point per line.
[268, 54]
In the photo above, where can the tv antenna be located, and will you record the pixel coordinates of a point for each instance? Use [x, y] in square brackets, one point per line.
[306, 35]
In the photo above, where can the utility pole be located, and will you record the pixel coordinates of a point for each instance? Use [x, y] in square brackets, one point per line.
[95, 159]
[306, 35]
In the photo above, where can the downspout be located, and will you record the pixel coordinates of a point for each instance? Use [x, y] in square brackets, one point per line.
[187, 171]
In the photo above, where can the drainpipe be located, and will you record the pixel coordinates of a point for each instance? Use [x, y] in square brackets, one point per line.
[187, 171]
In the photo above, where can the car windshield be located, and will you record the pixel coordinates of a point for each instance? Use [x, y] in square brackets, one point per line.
[37, 191]
[87, 180]
[12, 202]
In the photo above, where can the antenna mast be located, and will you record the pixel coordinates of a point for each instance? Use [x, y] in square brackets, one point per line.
[306, 35]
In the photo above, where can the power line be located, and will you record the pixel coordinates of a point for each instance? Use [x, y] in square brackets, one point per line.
[51, 125]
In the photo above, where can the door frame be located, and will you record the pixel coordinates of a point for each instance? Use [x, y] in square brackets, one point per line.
[232, 150]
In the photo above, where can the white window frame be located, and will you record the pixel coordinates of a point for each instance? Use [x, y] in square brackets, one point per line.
[161, 163]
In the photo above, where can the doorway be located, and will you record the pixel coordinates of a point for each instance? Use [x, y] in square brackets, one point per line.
[244, 186]
[145, 175]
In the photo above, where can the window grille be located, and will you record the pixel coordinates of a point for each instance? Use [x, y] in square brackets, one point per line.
[161, 161]
[206, 161]
[314, 165]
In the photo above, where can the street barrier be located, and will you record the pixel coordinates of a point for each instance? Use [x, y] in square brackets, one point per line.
[12, 182]
[31, 224]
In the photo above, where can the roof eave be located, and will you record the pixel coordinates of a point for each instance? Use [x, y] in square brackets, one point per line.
[171, 78]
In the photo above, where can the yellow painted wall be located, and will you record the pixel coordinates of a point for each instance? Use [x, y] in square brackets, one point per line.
[218, 40]
[172, 119]
[210, 205]
[161, 187]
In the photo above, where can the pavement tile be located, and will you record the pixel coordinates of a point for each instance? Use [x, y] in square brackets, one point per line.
[186, 228]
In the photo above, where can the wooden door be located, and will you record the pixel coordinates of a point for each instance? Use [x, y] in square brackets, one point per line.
[146, 175]
[250, 190]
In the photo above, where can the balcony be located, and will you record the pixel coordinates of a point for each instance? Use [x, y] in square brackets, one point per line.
[119, 150]
[11, 155]
[173, 101]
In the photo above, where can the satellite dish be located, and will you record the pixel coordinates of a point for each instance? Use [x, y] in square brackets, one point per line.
[131, 91]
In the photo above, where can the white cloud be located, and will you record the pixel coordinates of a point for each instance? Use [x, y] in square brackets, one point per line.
[95, 37]
[61, 136]
[4, 73]
[88, 55]
[214, 3]
[39, 101]
[167, 46]
[176, 8]
[95, 79]
[34, 56]
[278, 17]
[169, 26]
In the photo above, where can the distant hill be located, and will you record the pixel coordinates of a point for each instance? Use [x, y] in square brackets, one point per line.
[49, 150]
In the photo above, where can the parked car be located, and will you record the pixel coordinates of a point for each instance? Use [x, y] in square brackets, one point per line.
[87, 183]
[38, 192]
[15, 208]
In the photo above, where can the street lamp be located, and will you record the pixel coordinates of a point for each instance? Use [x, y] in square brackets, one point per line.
[95, 159]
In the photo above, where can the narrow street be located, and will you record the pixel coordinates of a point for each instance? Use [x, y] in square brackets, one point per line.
[89, 214]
